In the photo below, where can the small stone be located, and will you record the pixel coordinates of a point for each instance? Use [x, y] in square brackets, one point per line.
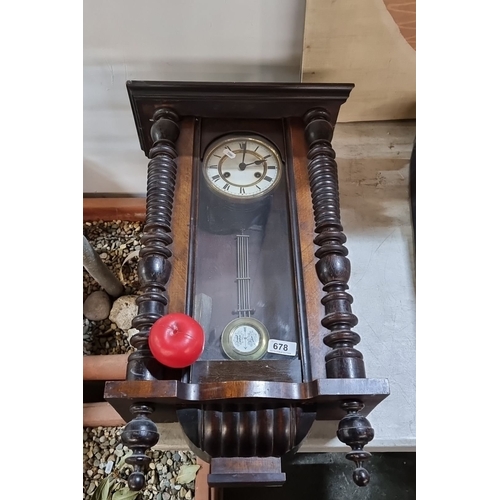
[124, 311]
[119, 453]
[177, 487]
[170, 461]
[131, 332]
[152, 466]
[165, 496]
[188, 495]
[85, 436]
[163, 460]
[97, 306]
[91, 488]
[119, 446]
[182, 493]
[176, 457]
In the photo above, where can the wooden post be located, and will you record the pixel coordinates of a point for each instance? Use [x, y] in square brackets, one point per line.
[334, 269]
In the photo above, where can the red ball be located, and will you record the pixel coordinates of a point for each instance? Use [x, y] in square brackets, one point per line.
[176, 340]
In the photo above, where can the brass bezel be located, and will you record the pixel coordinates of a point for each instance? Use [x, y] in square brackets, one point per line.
[258, 352]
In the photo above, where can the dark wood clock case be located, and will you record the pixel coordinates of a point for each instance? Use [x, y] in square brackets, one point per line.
[244, 416]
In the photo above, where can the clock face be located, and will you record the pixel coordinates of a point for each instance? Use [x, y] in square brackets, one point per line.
[245, 338]
[242, 167]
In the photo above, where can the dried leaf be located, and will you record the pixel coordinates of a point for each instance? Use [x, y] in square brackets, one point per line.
[102, 490]
[121, 463]
[124, 494]
[130, 256]
[187, 473]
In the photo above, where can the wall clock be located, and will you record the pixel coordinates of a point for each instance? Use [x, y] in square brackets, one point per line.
[243, 234]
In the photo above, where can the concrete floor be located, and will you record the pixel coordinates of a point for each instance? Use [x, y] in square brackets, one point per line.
[373, 162]
[328, 476]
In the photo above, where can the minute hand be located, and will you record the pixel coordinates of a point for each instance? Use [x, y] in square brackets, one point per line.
[257, 162]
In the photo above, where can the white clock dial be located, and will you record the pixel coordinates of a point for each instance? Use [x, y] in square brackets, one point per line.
[245, 339]
[242, 167]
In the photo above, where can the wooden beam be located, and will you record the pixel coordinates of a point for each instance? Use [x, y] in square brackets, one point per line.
[101, 414]
[108, 209]
[105, 367]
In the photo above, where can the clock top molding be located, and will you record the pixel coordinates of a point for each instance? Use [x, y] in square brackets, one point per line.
[230, 100]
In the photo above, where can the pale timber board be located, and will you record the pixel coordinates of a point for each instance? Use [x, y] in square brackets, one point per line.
[358, 41]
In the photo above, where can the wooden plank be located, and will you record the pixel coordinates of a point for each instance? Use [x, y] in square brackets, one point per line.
[108, 209]
[359, 42]
[176, 287]
[312, 285]
[404, 13]
[105, 367]
[101, 414]
[201, 488]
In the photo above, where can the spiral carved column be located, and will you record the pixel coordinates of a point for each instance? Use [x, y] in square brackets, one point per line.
[333, 269]
[154, 271]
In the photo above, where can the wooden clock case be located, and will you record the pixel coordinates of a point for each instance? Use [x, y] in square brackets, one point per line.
[243, 416]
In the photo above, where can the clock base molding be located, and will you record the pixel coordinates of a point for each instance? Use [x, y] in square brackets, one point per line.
[326, 396]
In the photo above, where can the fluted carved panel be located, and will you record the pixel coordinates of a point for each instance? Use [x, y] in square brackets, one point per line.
[248, 433]
[232, 430]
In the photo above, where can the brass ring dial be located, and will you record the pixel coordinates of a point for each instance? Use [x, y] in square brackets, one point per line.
[245, 338]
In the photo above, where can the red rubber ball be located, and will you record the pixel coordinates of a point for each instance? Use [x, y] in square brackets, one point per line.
[176, 340]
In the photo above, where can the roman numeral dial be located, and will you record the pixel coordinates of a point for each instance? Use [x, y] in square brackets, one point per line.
[242, 167]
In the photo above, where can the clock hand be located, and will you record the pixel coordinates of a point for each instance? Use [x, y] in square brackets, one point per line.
[257, 162]
[242, 165]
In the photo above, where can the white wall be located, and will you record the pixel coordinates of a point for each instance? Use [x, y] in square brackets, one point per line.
[216, 40]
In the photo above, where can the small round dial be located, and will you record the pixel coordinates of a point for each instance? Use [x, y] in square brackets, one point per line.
[245, 338]
[242, 167]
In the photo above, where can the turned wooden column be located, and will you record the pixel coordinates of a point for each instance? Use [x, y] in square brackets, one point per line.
[141, 434]
[333, 269]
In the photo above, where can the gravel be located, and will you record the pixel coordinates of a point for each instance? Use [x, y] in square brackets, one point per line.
[113, 241]
[102, 447]
[103, 455]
